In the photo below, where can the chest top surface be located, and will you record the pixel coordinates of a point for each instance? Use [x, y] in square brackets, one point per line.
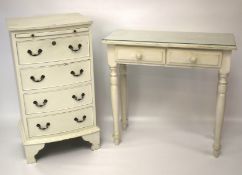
[219, 40]
[46, 22]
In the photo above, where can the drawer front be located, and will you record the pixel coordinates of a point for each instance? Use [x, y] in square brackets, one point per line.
[58, 75]
[58, 100]
[50, 33]
[59, 123]
[141, 54]
[194, 58]
[52, 49]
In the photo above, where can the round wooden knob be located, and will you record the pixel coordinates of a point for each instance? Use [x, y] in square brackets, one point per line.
[193, 59]
[138, 56]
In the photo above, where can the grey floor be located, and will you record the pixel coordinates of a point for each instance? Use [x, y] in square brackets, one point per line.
[150, 146]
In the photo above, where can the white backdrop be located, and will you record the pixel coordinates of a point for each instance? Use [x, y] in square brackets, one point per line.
[154, 92]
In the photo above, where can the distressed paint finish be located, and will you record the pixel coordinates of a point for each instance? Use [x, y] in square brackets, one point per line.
[167, 49]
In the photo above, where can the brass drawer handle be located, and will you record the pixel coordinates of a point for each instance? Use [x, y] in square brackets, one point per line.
[77, 75]
[75, 50]
[42, 77]
[40, 105]
[35, 54]
[43, 128]
[79, 99]
[82, 120]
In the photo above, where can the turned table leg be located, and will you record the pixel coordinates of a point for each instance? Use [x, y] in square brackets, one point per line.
[221, 97]
[123, 94]
[222, 88]
[115, 103]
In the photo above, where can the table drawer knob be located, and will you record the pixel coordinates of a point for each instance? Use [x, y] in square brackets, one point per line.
[77, 75]
[79, 99]
[82, 120]
[43, 128]
[138, 56]
[193, 60]
[40, 105]
[42, 77]
[75, 50]
[30, 52]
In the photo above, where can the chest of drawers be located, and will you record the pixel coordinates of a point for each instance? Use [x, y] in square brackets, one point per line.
[54, 71]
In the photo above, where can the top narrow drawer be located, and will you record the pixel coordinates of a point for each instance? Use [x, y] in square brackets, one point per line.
[50, 33]
[52, 49]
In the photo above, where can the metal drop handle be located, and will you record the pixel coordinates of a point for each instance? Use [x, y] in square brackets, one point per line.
[43, 128]
[40, 105]
[75, 50]
[30, 52]
[79, 99]
[77, 75]
[42, 77]
[82, 120]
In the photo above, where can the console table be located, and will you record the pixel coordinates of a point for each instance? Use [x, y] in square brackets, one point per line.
[167, 49]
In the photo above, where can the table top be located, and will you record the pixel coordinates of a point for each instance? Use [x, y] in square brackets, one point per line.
[215, 40]
[48, 21]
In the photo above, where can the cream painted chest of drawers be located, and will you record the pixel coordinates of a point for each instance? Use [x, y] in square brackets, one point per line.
[54, 69]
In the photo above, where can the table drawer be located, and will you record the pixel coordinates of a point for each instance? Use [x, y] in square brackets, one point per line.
[52, 49]
[54, 124]
[58, 75]
[194, 58]
[58, 99]
[141, 54]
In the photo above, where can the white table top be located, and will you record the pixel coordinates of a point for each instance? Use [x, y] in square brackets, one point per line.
[49, 21]
[186, 38]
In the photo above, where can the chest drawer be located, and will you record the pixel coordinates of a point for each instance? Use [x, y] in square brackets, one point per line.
[59, 123]
[58, 100]
[58, 75]
[194, 58]
[141, 54]
[52, 49]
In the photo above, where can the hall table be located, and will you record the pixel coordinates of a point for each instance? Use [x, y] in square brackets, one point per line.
[167, 49]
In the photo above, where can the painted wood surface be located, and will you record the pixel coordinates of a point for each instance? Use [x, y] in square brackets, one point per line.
[55, 100]
[56, 75]
[53, 49]
[215, 39]
[46, 49]
[46, 22]
[191, 50]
